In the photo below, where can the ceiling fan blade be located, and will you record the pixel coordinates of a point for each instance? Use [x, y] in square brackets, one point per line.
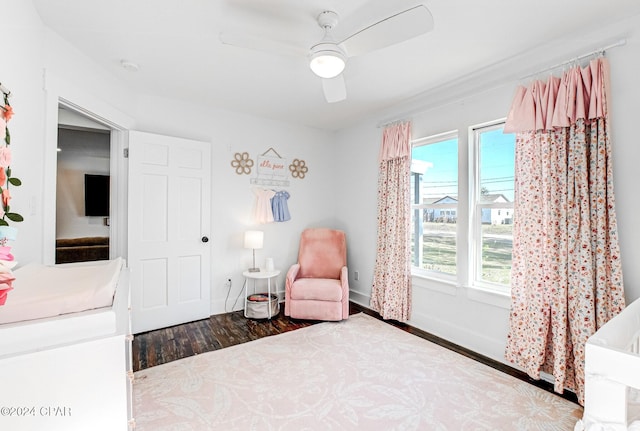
[334, 89]
[393, 29]
[261, 44]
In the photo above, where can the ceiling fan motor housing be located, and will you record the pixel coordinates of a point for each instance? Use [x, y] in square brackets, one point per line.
[328, 19]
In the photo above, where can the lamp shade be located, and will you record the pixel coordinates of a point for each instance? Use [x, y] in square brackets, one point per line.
[327, 60]
[253, 239]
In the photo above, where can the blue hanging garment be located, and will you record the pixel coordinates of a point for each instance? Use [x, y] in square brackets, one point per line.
[280, 207]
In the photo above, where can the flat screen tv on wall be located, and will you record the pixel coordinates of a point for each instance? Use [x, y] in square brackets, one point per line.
[96, 195]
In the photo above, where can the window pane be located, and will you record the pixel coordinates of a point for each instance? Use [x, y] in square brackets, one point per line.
[496, 253]
[497, 158]
[435, 190]
[495, 204]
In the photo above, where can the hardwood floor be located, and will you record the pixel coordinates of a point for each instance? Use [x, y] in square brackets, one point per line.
[217, 332]
[223, 330]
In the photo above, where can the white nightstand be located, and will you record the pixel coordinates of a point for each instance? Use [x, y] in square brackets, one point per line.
[260, 275]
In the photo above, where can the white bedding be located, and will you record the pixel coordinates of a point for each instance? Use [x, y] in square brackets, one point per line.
[45, 291]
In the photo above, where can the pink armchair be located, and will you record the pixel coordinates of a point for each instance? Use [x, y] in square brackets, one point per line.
[317, 287]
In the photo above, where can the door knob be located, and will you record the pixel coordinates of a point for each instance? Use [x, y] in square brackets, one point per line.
[205, 239]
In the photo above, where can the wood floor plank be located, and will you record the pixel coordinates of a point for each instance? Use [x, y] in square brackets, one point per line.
[217, 332]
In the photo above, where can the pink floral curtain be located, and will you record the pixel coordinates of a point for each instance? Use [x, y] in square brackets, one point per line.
[566, 279]
[391, 292]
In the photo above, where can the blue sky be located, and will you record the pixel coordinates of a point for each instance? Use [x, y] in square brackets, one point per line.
[496, 165]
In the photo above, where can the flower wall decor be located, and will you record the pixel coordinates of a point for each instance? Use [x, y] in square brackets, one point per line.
[298, 168]
[6, 175]
[7, 262]
[242, 163]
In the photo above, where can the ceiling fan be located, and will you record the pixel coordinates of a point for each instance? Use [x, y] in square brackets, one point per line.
[383, 24]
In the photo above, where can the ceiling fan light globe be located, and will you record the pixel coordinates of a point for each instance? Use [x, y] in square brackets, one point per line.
[327, 65]
[327, 60]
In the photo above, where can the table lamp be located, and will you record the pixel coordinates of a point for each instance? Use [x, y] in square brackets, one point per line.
[253, 239]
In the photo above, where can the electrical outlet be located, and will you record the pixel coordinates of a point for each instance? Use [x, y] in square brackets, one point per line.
[227, 283]
[356, 275]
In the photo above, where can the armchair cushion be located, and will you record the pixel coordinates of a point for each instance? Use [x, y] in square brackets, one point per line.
[319, 289]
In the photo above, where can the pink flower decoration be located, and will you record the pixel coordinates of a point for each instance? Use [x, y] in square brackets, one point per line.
[4, 289]
[7, 277]
[8, 112]
[5, 157]
[5, 254]
[3, 177]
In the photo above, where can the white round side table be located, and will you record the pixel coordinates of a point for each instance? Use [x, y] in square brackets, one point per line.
[260, 275]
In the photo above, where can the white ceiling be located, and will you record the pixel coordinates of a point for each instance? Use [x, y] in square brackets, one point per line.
[176, 45]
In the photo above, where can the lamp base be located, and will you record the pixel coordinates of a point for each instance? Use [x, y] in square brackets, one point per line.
[254, 269]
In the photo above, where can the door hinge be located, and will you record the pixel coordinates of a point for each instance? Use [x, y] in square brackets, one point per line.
[125, 152]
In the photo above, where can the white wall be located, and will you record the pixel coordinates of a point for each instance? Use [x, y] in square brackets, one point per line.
[471, 318]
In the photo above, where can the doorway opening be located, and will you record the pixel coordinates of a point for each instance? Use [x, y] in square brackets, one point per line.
[82, 189]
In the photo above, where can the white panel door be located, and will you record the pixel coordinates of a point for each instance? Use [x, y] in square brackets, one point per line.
[169, 221]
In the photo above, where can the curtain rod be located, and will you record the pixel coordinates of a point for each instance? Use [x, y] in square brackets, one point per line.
[4, 89]
[580, 57]
[384, 124]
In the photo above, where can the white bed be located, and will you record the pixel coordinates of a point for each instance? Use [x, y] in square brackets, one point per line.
[65, 347]
[612, 375]
[45, 291]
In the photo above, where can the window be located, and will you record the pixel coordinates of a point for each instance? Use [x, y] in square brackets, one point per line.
[464, 235]
[492, 188]
[434, 186]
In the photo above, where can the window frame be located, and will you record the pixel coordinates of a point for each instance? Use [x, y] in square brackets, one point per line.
[468, 226]
[474, 257]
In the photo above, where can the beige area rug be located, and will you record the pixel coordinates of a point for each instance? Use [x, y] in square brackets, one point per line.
[358, 374]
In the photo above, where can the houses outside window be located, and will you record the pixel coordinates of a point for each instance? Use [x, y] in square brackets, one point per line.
[484, 236]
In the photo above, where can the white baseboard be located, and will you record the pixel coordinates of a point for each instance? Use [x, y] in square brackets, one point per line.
[360, 298]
